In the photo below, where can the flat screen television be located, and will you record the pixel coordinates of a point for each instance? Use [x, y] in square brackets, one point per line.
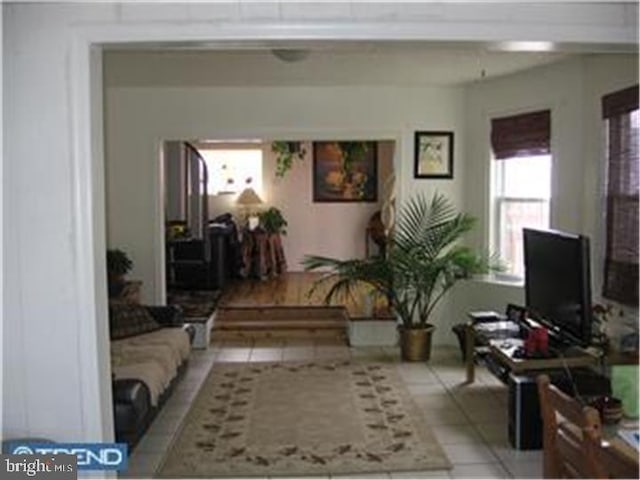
[558, 283]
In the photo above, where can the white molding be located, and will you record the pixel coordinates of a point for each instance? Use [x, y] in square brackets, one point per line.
[88, 217]
[88, 150]
[216, 35]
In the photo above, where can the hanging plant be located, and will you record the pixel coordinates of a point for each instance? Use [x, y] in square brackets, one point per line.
[286, 152]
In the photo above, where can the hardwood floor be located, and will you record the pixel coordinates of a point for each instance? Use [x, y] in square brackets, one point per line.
[282, 307]
[292, 290]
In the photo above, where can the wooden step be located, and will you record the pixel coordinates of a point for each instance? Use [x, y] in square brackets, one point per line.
[281, 322]
[331, 336]
[263, 313]
[308, 324]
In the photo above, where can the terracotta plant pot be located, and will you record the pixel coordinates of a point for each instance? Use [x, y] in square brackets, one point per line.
[415, 343]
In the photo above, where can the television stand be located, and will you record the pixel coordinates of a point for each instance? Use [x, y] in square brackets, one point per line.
[571, 357]
[500, 354]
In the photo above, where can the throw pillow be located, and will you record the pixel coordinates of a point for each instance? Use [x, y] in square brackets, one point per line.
[129, 319]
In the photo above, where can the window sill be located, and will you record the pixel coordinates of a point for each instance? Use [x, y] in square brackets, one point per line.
[503, 280]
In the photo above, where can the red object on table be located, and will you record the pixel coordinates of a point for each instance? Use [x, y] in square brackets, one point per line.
[537, 341]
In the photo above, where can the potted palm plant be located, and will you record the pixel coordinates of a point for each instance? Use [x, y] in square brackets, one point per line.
[423, 261]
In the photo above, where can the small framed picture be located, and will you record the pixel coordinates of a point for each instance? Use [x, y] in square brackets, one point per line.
[433, 155]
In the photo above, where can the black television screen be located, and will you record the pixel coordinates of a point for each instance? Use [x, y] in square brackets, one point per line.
[558, 283]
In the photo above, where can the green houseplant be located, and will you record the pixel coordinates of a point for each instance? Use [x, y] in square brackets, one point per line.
[118, 265]
[423, 261]
[273, 221]
[286, 152]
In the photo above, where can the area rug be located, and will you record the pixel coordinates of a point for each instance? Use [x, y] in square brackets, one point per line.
[302, 418]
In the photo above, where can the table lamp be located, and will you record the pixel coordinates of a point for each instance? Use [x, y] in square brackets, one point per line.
[249, 198]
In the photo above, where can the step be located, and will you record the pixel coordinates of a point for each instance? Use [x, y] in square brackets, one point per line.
[281, 313]
[281, 322]
[337, 336]
[315, 324]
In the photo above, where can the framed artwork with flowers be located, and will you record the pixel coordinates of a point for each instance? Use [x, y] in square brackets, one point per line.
[345, 171]
[433, 155]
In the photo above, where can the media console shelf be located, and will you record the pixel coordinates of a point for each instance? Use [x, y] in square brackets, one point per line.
[569, 367]
[502, 354]
[570, 358]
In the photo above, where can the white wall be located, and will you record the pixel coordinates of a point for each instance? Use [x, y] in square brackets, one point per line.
[55, 336]
[572, 90]
[332, 229]
[54, 329]
[139, 118]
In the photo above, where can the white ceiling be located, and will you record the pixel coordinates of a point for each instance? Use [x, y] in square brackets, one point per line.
[343, 63]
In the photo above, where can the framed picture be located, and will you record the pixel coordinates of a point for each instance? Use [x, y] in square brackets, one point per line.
[345, 171]
[433, 155]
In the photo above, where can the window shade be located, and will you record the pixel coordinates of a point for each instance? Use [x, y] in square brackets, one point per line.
[619, 103]
[621, 251]
[523, 135]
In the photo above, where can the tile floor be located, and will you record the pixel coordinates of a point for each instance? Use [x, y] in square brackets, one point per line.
[468, 420]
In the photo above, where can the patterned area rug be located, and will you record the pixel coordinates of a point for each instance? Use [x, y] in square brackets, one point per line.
[305, 418]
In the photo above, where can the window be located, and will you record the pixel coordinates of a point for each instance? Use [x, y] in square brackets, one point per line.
[522, 199]
[620, 111]
[231, 171]
[521, 186]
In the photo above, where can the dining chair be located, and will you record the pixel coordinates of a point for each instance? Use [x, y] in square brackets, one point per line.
[572, 435]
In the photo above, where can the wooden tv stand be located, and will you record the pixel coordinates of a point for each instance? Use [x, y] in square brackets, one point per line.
[572, 357]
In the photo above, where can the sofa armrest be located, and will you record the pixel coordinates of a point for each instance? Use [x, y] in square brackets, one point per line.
[167, 316]
[129, 391]
[191, 331]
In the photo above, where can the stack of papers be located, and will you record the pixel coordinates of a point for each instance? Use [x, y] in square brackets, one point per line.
[498, 326]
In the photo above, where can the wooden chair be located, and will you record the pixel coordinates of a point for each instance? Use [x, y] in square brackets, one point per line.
[573, 439]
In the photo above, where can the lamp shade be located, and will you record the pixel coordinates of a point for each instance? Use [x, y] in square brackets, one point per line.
[249, 197]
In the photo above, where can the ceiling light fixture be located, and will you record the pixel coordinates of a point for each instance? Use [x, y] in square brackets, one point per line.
[524, 46]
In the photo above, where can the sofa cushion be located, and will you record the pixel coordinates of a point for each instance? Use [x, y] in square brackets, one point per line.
[129, 319]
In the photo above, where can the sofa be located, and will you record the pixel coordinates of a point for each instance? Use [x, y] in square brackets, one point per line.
[150, 348]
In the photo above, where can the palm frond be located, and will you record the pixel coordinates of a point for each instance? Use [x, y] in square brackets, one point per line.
[423, 261]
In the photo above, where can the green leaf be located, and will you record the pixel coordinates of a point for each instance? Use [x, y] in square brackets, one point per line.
[424, 260]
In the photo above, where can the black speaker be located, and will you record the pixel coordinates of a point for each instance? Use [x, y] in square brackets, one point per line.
[525, 422]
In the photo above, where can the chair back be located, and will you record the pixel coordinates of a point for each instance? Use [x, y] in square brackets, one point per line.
[572, 435]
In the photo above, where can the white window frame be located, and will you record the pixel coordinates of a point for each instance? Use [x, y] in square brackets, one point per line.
[498, 201]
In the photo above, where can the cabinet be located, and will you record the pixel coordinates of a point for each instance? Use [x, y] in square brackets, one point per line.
[200, 263]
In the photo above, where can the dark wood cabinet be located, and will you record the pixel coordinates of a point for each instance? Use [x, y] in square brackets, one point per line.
[200, 264]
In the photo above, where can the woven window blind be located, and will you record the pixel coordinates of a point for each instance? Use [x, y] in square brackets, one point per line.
[621, 251]
[522, 135]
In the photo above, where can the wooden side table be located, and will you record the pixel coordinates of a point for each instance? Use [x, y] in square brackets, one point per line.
[262, 254]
